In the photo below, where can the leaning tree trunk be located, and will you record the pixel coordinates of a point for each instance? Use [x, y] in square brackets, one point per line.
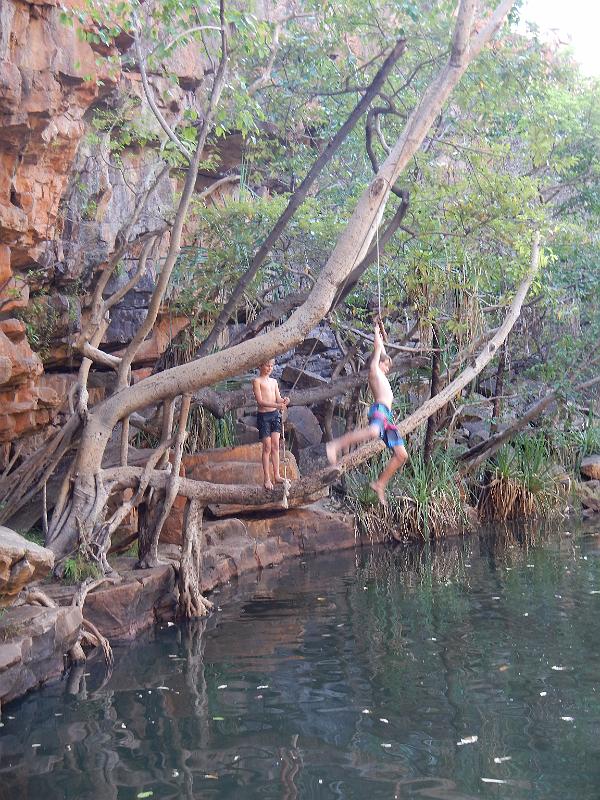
[88, 500]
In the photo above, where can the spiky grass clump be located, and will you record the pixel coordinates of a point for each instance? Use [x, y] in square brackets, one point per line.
[205, 431]
[520, 483]
[570, 447]
[424, 500]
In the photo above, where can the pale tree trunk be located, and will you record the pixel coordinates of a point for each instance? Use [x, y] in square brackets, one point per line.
[87, 506]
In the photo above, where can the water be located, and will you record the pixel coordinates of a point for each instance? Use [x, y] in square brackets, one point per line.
[350, 676]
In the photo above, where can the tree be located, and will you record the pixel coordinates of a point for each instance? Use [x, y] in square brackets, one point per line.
[80, 515]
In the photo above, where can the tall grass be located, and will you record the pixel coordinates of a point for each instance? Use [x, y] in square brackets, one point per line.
[570, 447]
[426, 500]
[204, 432]
[519, 483]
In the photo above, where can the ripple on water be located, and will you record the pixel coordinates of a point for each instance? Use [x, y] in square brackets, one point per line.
[388, 673]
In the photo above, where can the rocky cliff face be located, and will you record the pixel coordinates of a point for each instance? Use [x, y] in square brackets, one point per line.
[48, 80]
[63, 199]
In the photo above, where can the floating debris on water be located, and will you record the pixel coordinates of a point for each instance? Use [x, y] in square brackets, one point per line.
[543, 694]
[493, 780]
[222, 686]
[263, 686]
[468, 740]
[211, 776]
[366, 711]
[568, 719]
[141, 795]
[386, 745]
[502, 759]
[559, 669]
[383, 719]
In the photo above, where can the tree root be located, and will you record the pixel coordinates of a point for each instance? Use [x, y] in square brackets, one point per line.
[191, 602]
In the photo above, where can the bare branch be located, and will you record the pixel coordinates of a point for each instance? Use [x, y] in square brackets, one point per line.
[183, 149]
[100, 357]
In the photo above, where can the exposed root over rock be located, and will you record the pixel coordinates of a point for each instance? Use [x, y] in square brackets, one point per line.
[191, 602]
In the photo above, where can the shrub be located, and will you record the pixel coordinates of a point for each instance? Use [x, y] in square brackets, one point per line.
[519, 482]
[424, 500]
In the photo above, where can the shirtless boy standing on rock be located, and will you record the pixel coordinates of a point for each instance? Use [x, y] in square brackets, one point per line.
[380, 420]
[270, 403]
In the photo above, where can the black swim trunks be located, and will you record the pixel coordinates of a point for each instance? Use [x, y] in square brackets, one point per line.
[268, 422]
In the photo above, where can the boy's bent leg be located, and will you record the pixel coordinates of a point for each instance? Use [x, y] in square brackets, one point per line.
[266, 462]
[275, 437]
[396, 462]
[348, 439]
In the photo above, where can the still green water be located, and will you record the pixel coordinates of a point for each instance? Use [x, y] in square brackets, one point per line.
[359, 675]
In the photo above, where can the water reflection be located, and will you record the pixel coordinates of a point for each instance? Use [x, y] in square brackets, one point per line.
[467, 669]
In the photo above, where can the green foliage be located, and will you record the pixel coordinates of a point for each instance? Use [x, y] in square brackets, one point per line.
[425, 500]
[35, 535]
[205, 431]
[77, 569]
[571, 445]
[41, 319]
[520, 482]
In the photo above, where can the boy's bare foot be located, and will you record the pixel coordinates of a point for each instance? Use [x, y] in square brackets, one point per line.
[331, 451]
[279, 479]
[268, 486]
[380, 492]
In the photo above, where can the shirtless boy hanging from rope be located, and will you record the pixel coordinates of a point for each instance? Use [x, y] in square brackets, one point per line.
[380, 420]
[268, 416]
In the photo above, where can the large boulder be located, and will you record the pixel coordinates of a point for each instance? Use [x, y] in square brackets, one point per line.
[590, 467]
[318, 340]
[21, 561]
[302, 378]
[33, 643]
[304, 425]
[234, 466]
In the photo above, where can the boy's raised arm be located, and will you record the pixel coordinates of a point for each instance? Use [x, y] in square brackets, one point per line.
[378, 350]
